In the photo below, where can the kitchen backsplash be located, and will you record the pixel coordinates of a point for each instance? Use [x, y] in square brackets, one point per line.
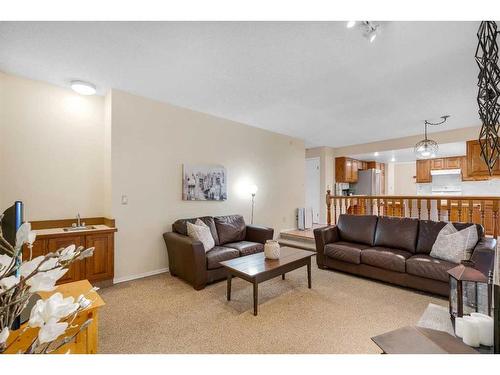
[481, 188]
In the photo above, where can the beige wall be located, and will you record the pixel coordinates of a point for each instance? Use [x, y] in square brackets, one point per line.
[150, 142]
[327, 174]
[404, 181]
[51, 149]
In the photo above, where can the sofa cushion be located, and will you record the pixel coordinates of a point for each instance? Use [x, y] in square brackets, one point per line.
[231, 228]
[357, 228]
[201, 232]
[220, 254]
[397, 233]
[386, 258]
[424, 265]
[428, 231]
[180, 226]
[246, 247]
[345, 251]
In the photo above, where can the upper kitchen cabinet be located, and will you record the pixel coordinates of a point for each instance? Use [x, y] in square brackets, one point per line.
[453, 162]
[437, 163]
[346, 170]
[475, 163]
[424, 171]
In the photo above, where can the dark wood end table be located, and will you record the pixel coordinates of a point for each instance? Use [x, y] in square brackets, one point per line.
[256, 268]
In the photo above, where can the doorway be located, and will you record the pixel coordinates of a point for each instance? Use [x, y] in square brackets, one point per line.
[313, 187]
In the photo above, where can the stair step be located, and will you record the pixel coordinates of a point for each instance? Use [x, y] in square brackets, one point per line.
[304, 245]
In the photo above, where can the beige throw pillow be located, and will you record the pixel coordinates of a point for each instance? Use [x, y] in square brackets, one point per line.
[453, 245]
[199, 231]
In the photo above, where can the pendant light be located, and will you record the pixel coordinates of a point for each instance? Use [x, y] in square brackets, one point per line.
[488, 96]
[427, 148]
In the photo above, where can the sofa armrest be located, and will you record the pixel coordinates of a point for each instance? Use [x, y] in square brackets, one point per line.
[256, 233]
[186, 259]
[483, 255]
[322, 237]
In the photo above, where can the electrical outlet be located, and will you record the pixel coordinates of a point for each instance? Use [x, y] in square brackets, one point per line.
[124, 199]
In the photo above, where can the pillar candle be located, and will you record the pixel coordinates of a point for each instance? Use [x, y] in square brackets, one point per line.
[470, 331]
[485, 328]
[459, 322]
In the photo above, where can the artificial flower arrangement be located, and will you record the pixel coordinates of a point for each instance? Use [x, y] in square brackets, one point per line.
[20, 279]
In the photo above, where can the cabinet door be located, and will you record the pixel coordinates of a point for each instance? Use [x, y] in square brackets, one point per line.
[75, 271]
[348, 170]
[452, 163]
[475, 163]
[354, 171]
[424, 171]
[39, 248]
[340, 170]
[437, 163]
[101, 265]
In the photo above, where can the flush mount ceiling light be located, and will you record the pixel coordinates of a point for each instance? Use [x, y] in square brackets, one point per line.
[488, 95]
[369, 29]
[427, 148]
[376, 153]
[83, 88]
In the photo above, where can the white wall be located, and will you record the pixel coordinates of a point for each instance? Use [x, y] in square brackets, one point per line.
[150, 142]
[51, 149]
[404, 181]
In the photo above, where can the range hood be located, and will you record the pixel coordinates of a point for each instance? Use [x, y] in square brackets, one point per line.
[438, 172]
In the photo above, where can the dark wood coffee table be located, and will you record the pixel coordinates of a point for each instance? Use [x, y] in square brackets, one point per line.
[256, 268]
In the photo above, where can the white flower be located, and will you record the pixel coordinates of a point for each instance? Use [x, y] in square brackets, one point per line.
[5, 261]
[8, 282]
[23, 235]
[45, 281]
[53, 308]
[31, 237]
[86, 253]
[51, 331]
[4, 334]
[83, 302]
[28, 267]
[67, 253]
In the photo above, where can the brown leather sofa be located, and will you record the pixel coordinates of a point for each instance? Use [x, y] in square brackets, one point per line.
[233, 238]
[394, 250]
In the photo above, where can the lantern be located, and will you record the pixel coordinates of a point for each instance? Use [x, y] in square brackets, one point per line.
[470, 290]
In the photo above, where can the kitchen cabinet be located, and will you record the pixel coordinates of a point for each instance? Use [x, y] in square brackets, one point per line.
[346, 170]
[97, 269]
[424, 171]
[437, 163]
[452, 163]
[475, 163]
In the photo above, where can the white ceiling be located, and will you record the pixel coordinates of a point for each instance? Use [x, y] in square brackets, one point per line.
[408, 154]
[317, 81]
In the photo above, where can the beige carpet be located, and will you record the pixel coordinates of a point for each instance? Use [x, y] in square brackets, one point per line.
[162, 314]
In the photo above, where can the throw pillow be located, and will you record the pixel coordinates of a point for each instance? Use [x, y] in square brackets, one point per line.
[453, 245]
[201, 232]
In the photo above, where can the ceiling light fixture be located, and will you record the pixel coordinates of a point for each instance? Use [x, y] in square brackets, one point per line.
[427, 148]
[369, 29]
[83, 88]
[488, 95]
[393, 159]
[376, 153]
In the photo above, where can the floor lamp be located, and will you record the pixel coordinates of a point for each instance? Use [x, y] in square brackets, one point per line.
[253, 190]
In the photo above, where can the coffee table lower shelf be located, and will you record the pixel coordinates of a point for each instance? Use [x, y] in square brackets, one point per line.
[256, 268]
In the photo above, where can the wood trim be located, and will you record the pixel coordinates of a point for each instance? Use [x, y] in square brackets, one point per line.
[63, 223]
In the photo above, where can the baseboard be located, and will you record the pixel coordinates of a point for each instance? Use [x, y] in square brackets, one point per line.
[139, 276]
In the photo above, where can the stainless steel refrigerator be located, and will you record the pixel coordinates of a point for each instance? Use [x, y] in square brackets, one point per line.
[368, 182]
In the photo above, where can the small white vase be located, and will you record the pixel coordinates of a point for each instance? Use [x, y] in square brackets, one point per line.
[272, 249]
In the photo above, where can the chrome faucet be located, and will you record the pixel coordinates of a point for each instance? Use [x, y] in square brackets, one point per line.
[78, 221]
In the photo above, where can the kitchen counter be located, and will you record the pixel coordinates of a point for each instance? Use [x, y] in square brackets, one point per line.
[60, 232]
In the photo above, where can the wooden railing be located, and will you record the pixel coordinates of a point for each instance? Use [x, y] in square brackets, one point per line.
[467, 209]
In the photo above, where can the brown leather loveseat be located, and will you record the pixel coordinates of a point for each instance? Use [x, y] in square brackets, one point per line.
[394, 250]
[233, 238]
